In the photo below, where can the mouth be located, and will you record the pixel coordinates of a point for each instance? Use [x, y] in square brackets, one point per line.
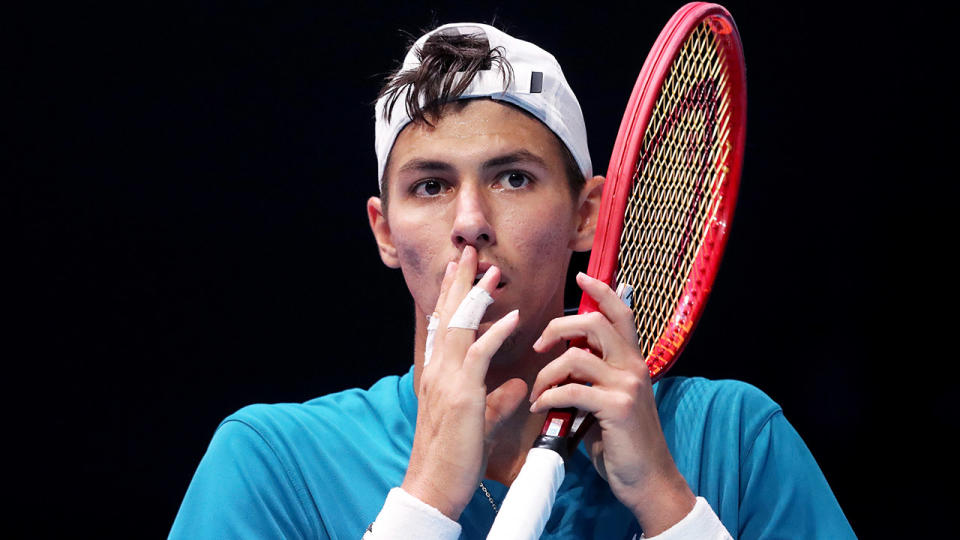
[476, 280]
[482, 269]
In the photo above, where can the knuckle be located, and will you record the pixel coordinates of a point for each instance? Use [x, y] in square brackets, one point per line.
[622, 405]
[573, 361]
[474, 352]
[551, 326]
[577, 391]
[623, 310]
[632, 383]
[595, 317]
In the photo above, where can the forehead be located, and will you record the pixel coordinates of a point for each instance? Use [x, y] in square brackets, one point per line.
[472, 131]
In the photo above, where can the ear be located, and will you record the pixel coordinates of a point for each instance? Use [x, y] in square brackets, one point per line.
[381, 232]
[588, 210]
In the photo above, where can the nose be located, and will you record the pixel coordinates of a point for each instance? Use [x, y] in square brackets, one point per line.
[471, 226]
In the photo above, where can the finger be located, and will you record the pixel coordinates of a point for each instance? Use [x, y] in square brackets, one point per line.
[478, 356]
[462, 282]
[583, 397]
[619, 314]
[474, 306]
[435, 341]
[600, 334]
[578, 365]
[502, 403]
[448, 275]
[489, 280]
[461, 327]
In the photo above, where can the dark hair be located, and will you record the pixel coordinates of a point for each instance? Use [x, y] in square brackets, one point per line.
[448, 64]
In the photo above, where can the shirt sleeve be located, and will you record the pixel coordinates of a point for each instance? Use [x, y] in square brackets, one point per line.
[242, 489]
[783, 493]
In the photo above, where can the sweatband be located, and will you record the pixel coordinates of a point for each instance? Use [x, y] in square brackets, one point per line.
[405, 517]
[701, 523]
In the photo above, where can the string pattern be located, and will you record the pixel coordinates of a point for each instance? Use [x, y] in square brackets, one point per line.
[682, 164]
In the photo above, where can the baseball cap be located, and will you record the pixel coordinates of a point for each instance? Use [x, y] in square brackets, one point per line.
[537, 86]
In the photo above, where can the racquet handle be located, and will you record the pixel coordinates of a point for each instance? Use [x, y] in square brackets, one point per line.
[526, 509]
[561, 423]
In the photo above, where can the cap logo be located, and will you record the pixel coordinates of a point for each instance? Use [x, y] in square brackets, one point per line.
[536, 82]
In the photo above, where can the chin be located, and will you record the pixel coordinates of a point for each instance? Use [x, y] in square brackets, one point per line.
[508, 351]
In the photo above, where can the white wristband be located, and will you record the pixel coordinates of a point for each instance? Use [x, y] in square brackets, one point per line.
[405, 517]
[701, 523]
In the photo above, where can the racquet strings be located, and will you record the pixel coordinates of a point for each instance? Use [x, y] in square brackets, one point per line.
[680, 170]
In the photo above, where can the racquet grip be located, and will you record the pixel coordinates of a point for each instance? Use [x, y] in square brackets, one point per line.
[528, 504]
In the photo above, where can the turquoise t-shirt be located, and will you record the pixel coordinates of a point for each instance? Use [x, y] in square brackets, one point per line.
[322, 469]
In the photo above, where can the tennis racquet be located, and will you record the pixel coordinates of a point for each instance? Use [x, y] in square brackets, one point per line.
[663, 222]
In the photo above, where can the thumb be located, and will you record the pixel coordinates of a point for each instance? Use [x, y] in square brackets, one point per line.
[593, 441]
[502, 403]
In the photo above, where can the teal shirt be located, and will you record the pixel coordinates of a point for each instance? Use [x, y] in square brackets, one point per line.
[322, 469]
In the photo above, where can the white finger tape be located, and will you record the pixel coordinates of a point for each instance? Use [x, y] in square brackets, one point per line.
[432, 325]
[471, 310]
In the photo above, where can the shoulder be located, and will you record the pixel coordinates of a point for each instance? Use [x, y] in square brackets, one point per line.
[725, 401]
[734, 446]
[293, 424]
[712, 424]
[279, 468]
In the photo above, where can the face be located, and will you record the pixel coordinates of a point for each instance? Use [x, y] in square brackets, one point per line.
[489, 176]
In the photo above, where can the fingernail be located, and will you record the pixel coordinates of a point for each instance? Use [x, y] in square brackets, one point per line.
[538, 342]
[582, 275]
[533, 407]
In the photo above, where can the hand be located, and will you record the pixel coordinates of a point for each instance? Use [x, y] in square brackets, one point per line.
[456, 418]
[627, 443]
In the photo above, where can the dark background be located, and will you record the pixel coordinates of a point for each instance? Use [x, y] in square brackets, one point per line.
[188, 183]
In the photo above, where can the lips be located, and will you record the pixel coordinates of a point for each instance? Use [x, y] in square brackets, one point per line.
[482, 269]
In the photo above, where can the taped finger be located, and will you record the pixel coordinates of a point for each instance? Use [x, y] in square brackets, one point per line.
[470, 311]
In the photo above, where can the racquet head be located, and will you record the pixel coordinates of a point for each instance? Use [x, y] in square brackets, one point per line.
[673, 178]
[663, 222]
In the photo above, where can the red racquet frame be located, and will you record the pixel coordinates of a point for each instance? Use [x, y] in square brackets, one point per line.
[619, 184]
[623, 164]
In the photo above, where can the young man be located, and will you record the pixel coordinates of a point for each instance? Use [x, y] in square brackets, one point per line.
[485, 177]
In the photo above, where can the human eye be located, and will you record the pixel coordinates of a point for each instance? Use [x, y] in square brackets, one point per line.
[513, 180]
[430, 187]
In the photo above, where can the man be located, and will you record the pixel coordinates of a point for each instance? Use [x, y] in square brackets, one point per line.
[485, 177]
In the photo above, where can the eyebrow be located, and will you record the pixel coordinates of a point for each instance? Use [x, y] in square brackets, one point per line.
[431, 165]
[519, 156]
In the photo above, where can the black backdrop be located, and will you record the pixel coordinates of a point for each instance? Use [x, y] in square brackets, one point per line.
[189, 183]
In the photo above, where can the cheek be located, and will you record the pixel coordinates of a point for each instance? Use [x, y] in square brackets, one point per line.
[543, 237]
[418, 262]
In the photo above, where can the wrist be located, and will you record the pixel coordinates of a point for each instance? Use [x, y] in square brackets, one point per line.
[662, 503]
[430, 494]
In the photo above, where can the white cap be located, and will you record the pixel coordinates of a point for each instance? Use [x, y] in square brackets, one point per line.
[537, 86]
